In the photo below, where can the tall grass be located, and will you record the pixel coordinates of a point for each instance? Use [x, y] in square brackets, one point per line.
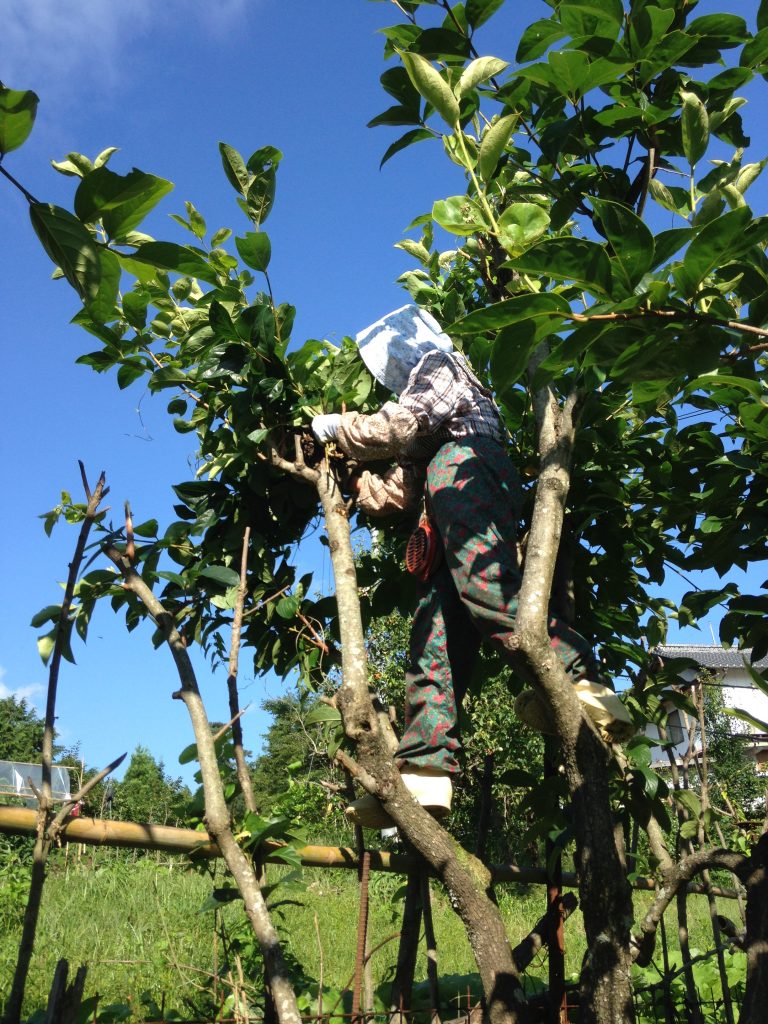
[138, 923]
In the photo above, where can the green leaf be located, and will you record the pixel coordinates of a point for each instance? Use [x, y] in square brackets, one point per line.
[262, 164]
[396, 115]
[520, 225]
[50, 613]
[70, 245]
[689, 830]
[744, 716]
[287, 607]
[479, 11]
[460, 215]
[179, 258]
[103, 308]
[255, 249]
[417, 135]
[711, 247]
[188, 754]
[17, 116]
[478, 71]
[432, 86]
[695, 127]
[631, 239]
[667, 243]
[513, 348]
[569, 259]
[120, 202]
[221, 574]
[322, 713]
[545, 305]
[45, 645]
[492, 144]
[689, 800]
[234, 168]
[538, 38]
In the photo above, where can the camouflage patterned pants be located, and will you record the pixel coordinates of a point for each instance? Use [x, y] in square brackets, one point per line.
[476, 497]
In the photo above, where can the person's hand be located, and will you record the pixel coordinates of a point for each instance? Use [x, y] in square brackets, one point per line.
[326, 427]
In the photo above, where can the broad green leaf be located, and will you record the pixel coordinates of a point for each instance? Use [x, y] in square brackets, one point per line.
[460, 215]
[255, 249]
[546, 305]
[416, 135]
[45, 645]
[103, 308]
[188, 754]
[18, 108]
[178, 258]
[480, 70]
[492, 144]
[758, 678]
[50, 613]
[322, 713]
[431, 86]
[234, 168]
[695, 127]
[520, 225]
[120, 201]
[601, 10]
[667, 243]
[287, 607]
[569, 259]
[689, 800]
[479, 11]
[762, 15]
[513, 347]
[710, 247]
[743, 716]
[261, 191]
[221, 574]
[630, 239]
[131, 370]
[71, 247]
[396, 115]
[674, 199]
[538, 38]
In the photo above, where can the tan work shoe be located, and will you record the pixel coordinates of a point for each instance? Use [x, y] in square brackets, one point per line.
[430, 787]
[600, 704]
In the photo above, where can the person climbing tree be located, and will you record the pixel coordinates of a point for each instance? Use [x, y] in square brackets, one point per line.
[449, 441]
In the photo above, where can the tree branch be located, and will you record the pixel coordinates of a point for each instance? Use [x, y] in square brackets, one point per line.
[674, 879]
[216, 812]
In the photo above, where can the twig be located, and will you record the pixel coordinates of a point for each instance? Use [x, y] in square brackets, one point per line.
[243, 775]
[220, 732]
[84, 790]
[42, 844]
[27, 195]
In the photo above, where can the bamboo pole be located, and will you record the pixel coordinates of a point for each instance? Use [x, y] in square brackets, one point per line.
[128, 834]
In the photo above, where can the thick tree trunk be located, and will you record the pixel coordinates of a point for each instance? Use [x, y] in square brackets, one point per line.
[754, 1009]
[605, 895]
[466, 877]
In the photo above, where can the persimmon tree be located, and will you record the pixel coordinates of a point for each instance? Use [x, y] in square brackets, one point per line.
[628, 360]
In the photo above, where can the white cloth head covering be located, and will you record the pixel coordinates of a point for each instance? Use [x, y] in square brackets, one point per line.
[393, 346]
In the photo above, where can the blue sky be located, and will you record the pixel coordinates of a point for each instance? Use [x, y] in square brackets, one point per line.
[167, 82]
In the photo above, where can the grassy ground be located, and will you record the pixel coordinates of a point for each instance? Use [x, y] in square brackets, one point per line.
[139, 925]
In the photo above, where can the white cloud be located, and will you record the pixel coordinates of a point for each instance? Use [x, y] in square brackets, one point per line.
[20, 692]
[65, 44]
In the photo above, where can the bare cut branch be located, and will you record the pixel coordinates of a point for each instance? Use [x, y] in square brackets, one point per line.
[81, 794]
[298, 469]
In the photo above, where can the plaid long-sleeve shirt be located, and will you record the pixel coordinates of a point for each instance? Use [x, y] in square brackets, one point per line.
[443, 401]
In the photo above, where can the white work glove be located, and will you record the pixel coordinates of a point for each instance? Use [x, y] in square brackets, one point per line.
[326, 428]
